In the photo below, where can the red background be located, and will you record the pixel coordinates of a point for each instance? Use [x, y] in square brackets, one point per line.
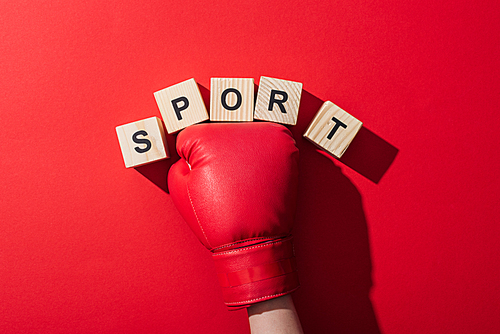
[405, 243]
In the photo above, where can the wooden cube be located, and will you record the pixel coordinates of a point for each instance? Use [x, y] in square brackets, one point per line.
[231, 99]
[142, 142]
[278, 100]
[181, 105]
[333, 129]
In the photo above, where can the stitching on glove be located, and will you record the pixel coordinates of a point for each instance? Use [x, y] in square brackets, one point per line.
[242, 241]
[255, 299]
[252, 247]
[196, 215]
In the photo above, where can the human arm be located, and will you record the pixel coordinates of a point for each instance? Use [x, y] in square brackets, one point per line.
[274, 316]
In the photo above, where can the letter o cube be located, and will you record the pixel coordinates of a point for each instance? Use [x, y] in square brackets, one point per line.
[231, 99]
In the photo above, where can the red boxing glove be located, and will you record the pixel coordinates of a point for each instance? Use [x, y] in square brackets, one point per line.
[236, 187]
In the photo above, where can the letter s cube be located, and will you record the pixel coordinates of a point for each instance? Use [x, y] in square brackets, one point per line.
[142, 142]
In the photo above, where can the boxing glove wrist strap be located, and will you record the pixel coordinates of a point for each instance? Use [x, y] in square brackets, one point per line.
[256, 273]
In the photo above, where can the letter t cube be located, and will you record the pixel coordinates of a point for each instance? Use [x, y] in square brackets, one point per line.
[332, 129]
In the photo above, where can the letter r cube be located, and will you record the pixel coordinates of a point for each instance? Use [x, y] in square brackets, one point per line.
[278, 100]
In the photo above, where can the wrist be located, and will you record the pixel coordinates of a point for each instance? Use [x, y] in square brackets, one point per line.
[276, 315]
[279, 303]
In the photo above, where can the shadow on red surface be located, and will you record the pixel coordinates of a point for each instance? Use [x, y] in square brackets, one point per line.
[156, 172]
[369, 155]
[331, 241]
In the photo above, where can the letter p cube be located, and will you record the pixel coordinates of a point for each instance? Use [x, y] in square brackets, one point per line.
[181, 105]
